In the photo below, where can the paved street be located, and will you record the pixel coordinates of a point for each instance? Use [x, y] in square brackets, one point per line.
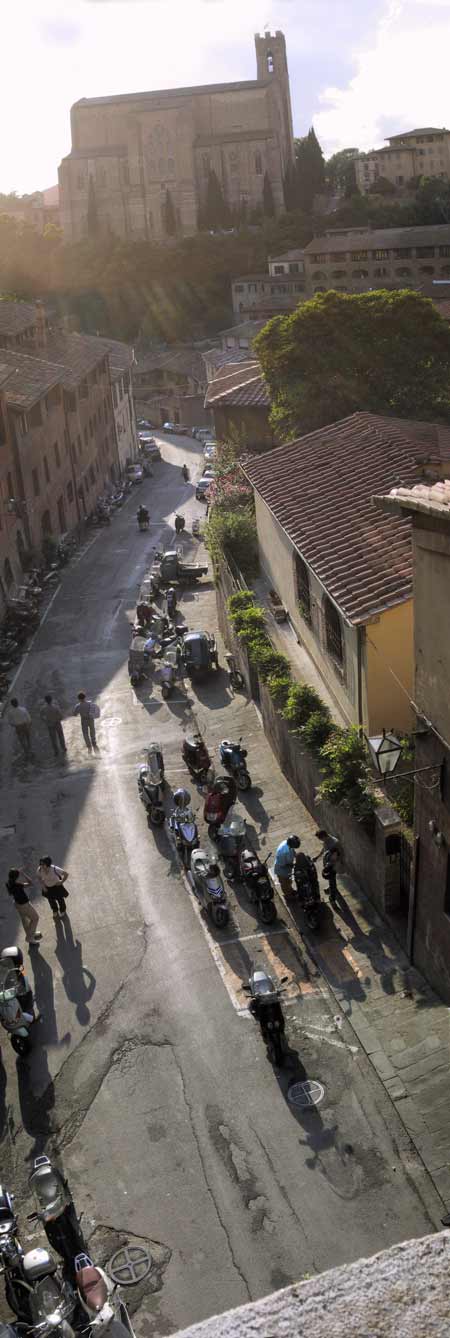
[147, 1073]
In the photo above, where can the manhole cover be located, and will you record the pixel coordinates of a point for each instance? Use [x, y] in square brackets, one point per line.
[304, 1094]
[130, 1264]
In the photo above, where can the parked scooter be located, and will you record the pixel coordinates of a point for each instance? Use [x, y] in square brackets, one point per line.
[16, 1001]
[237, 681]
[151, 784]
[56, 1211]
[307, 885]
[229, 839]
[34, 1286]
[220, 797]
[184, 827]
[258, 883]
[197, 758]
[209, 888]
[266, 1008]
[171, 603]
[168, 674]
[101, 1299]
[179, 524]
[233, 756]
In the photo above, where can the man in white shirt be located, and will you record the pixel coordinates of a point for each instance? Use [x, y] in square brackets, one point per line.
[20, 719]
[52, 881]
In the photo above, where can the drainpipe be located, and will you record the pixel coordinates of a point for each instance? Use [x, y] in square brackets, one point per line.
[413, 903]
[361, 641]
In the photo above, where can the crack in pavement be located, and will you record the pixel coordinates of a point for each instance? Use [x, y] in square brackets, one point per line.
[210, 1190]
[284, 1194]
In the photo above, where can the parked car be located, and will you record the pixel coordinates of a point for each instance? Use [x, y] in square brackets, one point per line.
[195, 431]
[144, 423]
[199, 653]
[202, 489]
[209, 452]
[169, 427]
[209, 472]
[204, 434]
[135, 473]
[146, 438]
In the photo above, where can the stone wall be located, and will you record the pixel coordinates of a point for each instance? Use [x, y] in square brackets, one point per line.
[370, 856]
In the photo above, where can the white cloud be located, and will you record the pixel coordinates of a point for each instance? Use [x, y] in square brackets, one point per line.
[401, 81]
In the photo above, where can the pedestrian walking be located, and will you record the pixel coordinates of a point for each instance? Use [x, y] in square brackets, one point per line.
[51, 714]
[88, 711]
[52, 880]
[16, 884]
[331, 852]
[20, 719]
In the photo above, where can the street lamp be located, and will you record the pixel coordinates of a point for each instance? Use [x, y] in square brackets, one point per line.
[385, 751]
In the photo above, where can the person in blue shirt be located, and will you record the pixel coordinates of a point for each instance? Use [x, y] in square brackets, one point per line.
[284, 862]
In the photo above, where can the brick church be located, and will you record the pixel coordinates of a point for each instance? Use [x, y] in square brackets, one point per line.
[133, 152]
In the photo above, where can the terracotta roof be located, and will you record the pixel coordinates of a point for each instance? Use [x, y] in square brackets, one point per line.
[379, 238]
[320, 489]
[239, 86]
[27, 378]
[16, 317]
[186, 361]
[240, 384]
[121, 356]
[74, 354]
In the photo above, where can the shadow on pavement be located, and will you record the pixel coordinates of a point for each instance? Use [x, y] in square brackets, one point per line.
[78, 982]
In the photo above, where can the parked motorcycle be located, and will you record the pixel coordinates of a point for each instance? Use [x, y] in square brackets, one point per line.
[220, 797]
[16, 1001]
[229, 839]
[56, 1210]
[266, 1008]
[208, 887]
[34, 1286]
[237, 681]
[233, 756]
[306, 882]
[255, 876]
[168, 674]
[151, 784]
[171, 603]
[100, 1299]
[184, 827]
[196, 756]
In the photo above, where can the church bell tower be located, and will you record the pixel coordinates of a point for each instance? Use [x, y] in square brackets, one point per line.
[271, 64]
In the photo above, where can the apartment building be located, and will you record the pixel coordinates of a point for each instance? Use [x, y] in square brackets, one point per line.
[291, 262]
[357, 259]
[405, 158]
[58, 396]
[259, 296]
[12, 538]
[121, 363]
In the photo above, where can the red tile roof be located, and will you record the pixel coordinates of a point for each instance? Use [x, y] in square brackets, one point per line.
[320, 489]
[241, 384]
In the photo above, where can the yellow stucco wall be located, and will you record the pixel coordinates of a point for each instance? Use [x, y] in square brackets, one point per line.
[389, 651]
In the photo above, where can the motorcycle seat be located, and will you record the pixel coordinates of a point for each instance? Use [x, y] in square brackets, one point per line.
[92, 1287]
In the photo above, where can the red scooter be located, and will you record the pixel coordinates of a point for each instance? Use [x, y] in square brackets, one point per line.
[218, 802]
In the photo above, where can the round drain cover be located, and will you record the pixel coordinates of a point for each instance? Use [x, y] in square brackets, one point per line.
[305, 1094]
[130, 1264]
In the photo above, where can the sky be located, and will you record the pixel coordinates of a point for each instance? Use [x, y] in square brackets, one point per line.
[359, 69]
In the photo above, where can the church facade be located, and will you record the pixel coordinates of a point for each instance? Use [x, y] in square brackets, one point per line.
[137, 157]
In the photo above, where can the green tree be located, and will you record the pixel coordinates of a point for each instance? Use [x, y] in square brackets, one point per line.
[383, 352]
[215, 213]
[381, 186]
[268, 200]
[92, 212]
[340, 172]
[433, 200]
[309, 170]
[170, 218]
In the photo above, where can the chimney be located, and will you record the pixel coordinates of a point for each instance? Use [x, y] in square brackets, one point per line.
[41, 324]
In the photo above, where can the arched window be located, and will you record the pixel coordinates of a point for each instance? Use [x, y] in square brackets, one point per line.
[8, 573]
[426, 269]
[404, 271]
[360, 273]
[303, 587]
[270, 62]
[333, 631]
[338, 274]
[319, 274]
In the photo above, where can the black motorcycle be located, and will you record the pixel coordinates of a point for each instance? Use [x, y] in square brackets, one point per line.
[151, 784]
[56, 1211]
[307, 886]
[197, 758]
[255, 876]
[266, 1008]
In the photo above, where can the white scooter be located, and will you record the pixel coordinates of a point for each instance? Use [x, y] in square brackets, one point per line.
[16, 1000]
[101, 1300]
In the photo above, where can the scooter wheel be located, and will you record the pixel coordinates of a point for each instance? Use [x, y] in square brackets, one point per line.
[165, 692]
[229, 870]
[212, 831]
[268, 912]
[157, 817]
[243, 780]
[220, 916]
[21, 1045]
